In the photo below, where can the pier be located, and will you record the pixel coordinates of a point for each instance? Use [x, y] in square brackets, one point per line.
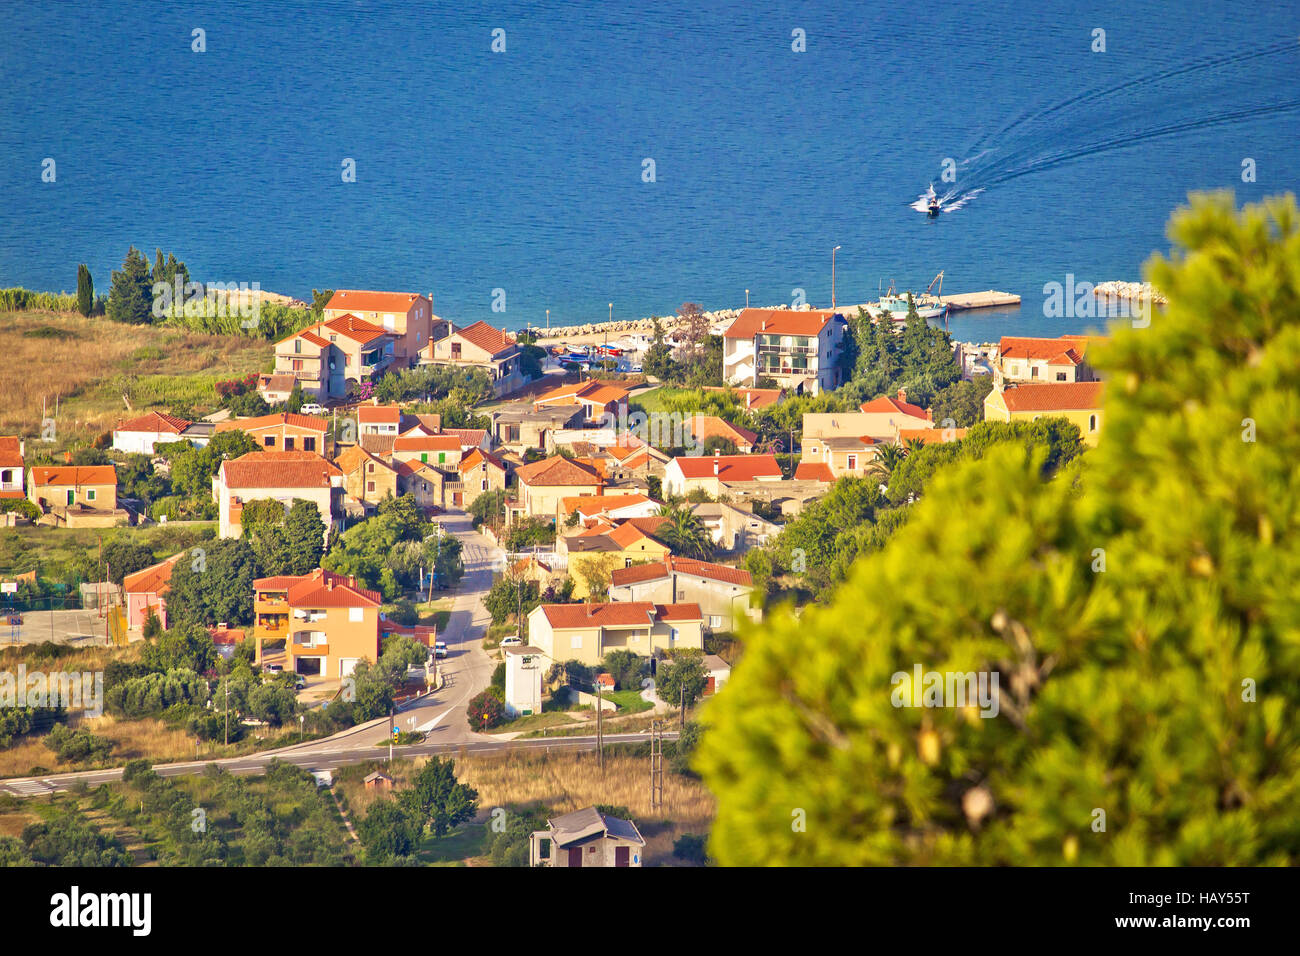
[980, 300]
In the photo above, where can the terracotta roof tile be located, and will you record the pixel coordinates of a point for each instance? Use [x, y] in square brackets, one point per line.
[155, 579]
[74, 475]
[730, 467]
[620, 614]
[1053, 396]
[310, 422]
[11, 455]
[486, 337]
[155, 422]
[557, 471]
[701, 569]
[364, 300]
[753, 322]
[285, 469]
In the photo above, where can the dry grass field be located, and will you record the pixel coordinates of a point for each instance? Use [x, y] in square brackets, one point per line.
[565, 781]
[88, 363]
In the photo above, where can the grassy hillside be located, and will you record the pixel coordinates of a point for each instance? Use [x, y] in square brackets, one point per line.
[90, 364]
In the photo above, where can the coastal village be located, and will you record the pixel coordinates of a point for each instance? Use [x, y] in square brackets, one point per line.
[572, 529]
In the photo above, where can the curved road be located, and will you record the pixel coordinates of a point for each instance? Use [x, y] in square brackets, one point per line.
[467, 670]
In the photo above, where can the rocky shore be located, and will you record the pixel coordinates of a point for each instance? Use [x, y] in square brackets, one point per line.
[718, 321]
[1133, 291]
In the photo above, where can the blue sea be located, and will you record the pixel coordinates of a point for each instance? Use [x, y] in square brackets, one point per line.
[525, 170]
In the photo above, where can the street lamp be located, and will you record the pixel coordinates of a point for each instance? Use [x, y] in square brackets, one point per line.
[833, 251]
[548, 320]
[747, 298]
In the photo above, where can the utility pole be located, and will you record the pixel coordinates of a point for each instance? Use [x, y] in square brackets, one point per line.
[600, 732]
[227, 710]
[682, 711]
[656, 765]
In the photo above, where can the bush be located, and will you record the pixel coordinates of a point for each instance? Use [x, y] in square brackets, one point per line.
[487, 710]
[692, 848]
[75, 746]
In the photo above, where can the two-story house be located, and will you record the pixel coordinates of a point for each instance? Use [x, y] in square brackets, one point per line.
[283, 476]
[76, 496]
[543, 486]
[12, 475]
[713, 473]
[367, 478]
[1026, 359]
[598, 400]
[325, 357]
[408, 316]
[587, 632]
[480, 472]
[799, 350]
[284, 431]
[327, 623]
[480, 346]
[723, 593]
[1079, 402]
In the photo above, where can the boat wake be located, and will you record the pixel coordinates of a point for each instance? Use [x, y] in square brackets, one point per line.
[1109, 118]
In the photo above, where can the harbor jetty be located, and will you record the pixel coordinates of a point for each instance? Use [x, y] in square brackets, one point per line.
[719, 319]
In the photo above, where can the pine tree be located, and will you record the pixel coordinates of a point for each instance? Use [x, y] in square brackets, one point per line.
[85, 290]
[130, 297]
[1139, 610]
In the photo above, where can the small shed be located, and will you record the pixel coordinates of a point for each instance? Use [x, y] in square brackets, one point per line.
[718, 672]
[379, 781]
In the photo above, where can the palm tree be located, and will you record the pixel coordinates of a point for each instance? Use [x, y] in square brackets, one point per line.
[914, 444]
[886, 460]
[685, 533]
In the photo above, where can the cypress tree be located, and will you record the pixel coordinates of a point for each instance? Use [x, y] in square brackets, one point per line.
[85, 290]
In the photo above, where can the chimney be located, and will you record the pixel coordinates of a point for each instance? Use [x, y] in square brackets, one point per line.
[715, 466]
[591, 610]
[67, 457]
[749, 399]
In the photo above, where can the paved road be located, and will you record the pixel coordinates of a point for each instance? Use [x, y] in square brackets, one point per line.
[441, 715]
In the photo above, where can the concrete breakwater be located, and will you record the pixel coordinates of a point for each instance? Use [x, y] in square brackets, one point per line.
[718, 321]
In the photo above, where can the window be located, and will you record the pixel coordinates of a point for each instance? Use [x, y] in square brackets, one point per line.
[672, 633]
[297, 346]
[356, 613]
[852, 463]
[424, 457]
[576, 642]
[1060, 376]
[715, 620]
[455, 350]
[442, 457]
[288, 444]
[309, 444]
[1092, 423]
[90, 494]
[370, 486]
[268, 441]
[297, 365]
[543, 849]
[370, 467]
[483, 485]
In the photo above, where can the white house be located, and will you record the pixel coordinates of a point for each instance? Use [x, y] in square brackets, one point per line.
[800, 350]
[140, 435]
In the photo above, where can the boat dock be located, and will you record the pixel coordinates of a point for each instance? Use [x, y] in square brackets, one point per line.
[980, 300]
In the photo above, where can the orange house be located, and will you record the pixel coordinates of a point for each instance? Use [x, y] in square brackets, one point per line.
[283, 432]
[328, 623]
[147, 589]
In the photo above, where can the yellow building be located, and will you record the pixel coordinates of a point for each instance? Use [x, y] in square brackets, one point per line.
[587, 632]
[328, 623]
[1079, 402]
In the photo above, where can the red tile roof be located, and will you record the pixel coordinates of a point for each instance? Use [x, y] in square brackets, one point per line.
[557, 471]
[364, 300]
[352, 458]
[1053, 396]
[730, 467]
[155, 579]
[700, 569]
[310, 422]
[476, 457]
[410, 442]
[885, 405]
[321, 588]
[486, 337]
[283, 469]
[75, 475]
[1066, 350]
[11, 455]
[378, 414]
[155, 422]
[750, 397]
[704, 427]
[592, 504]
[620, 614]
[467, 436]
[591, 392]
[753, 322]
[813, 471]
[930, 436]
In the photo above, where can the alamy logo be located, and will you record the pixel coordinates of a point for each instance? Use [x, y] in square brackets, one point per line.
[923, 688]
[73, 909]
[69, 690]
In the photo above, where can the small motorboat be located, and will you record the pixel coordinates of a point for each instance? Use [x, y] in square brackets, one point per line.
[932, 207]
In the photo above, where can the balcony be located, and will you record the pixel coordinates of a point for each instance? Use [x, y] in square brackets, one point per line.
[310, 639]
[787, 350]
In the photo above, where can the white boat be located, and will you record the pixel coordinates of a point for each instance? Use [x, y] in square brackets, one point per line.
[927, 307]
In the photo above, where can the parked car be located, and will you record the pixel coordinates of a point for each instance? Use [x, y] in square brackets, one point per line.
[311, 408]
[274, 668]
[511, 642]
[439, 648]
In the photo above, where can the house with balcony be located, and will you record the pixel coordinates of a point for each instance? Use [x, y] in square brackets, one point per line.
[597, 399]
[543, 486]
[799, 350]
[12, 474]
[328, 624]
[324, 358]
[587, 632]
[283, 476]
[407, 316]
[480, 346]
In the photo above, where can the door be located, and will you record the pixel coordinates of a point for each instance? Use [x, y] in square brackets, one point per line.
[575, 856]
[71, 496]
[622, 855]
